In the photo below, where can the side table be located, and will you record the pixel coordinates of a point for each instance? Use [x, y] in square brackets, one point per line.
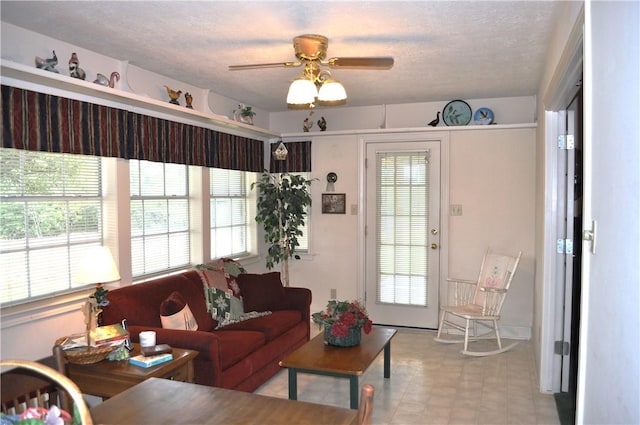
[106, 378]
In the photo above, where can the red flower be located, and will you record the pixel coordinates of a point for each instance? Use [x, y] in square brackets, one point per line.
[340, 330]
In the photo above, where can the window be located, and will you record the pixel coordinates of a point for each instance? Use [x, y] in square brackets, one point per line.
[159, 217]
[50, 211]
[231, 222]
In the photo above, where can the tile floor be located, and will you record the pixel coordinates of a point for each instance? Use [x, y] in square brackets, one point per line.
[433, 383]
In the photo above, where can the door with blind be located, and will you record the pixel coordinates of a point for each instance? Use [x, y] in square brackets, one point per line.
[402, 232]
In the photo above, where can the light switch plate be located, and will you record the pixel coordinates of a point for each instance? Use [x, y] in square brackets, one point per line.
[455, 209]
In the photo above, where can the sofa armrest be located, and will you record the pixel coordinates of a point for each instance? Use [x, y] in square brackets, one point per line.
[300, 299]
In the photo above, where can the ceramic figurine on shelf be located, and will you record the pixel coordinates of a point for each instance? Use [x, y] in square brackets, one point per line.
[306, 125]
[322, 123]
[48, 64]
[244, 114]
[109, 82]
[174, 95]
[74, 68]
[435, 122]
[189, 99]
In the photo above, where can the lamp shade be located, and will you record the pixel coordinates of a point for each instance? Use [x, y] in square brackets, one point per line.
[332, 92]
[302, 91]
[96, 266]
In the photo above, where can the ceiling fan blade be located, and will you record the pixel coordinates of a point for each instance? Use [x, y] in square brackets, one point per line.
[383, 62]
[264, 65]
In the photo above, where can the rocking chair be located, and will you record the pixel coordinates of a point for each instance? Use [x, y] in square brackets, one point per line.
[478, 303]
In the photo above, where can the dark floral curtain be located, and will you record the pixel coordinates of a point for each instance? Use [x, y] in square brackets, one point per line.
[298, 158]
[42, 122]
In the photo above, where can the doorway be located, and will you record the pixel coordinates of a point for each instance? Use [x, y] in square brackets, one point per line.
[402, 232]
[570, 203]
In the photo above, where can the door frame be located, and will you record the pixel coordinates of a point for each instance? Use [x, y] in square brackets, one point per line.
[401, 136]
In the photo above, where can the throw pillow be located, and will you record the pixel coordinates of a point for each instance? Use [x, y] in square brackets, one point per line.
[262, 292]
[176, 314]
[223, 305]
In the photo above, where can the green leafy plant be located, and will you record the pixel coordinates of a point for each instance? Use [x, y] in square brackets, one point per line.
[283, 200]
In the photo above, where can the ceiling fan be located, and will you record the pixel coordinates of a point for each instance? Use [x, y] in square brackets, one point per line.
[317, 84]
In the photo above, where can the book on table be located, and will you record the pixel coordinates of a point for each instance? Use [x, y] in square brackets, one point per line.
[148, 361]
[108, 334]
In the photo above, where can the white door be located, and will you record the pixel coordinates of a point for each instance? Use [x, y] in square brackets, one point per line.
[403, 232]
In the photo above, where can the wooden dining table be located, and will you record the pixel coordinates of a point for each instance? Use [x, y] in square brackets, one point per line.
[162, 401]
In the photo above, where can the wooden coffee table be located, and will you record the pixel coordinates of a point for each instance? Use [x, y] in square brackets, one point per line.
[317, 358]
[106, 379]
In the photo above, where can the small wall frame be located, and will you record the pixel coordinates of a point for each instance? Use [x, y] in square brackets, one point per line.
[333, 203]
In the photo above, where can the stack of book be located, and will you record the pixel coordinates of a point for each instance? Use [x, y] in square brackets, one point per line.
[148, 361]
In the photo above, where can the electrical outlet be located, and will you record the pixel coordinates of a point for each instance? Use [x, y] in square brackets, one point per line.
[354, 209]
[455, 209]
[334, 294]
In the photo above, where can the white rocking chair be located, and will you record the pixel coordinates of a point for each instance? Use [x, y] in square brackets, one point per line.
[479, 303]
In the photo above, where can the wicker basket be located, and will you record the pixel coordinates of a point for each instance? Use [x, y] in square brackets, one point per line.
[351, 340]
[86, 355]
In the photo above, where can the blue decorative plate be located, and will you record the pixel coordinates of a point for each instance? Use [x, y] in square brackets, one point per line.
[483, 116]
[456, 112]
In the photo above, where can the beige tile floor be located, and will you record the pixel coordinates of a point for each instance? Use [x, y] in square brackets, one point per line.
[433, 383]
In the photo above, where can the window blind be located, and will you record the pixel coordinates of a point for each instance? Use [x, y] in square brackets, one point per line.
[402, 223]
[51, 209]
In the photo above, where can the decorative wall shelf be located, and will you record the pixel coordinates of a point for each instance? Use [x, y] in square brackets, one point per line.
[31, 78]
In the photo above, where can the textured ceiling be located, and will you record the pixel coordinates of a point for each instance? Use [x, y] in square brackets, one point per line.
[443, 49]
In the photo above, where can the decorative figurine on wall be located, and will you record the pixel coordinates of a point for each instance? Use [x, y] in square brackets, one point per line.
[48, 64]
[108, 82]
[435, 122]
[74, 68]
[307, 123]
[189, 99]
[173, 95]
[322, 123]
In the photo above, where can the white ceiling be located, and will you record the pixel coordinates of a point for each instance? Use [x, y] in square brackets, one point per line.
[443, 50]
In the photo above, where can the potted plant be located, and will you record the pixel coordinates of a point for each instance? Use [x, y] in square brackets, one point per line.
[343, 322]
[282, 208]
[244, 114]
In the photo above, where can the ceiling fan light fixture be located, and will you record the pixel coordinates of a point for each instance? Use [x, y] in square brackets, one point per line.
[332, 93]
[302, 91]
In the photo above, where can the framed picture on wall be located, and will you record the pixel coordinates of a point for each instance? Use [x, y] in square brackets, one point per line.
[333, 203]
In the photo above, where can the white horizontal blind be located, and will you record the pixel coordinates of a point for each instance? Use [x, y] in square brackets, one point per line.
[230, 219]
[159, 217]
[50, 211]
[402, 223]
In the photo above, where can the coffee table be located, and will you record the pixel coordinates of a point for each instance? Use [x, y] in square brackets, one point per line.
[317, 358]
[106, 379]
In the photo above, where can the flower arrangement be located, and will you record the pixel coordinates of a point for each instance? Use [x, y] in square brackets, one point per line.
[342, 315]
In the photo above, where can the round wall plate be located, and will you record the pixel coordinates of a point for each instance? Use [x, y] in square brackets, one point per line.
[456, 112]
[332, 177]
[483, 116]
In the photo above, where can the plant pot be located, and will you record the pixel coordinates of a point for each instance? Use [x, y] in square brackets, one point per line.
[351, 340]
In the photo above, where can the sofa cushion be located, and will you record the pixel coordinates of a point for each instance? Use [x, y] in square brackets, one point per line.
[221, 274]
[272, 326]
[176, 314]
[236, 345]
[262, 292]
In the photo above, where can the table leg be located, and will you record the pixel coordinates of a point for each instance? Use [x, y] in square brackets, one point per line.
[353, 391]
[387, 360]
[293, 384]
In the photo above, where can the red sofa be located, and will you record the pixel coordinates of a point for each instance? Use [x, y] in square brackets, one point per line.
[240, 356]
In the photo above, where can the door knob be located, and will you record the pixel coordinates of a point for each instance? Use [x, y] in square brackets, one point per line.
[434, 246]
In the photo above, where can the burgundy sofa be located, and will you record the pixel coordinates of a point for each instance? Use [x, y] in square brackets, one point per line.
[240, 356]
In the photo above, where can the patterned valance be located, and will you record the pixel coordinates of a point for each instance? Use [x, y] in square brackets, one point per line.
[43, 122]
[298, 158]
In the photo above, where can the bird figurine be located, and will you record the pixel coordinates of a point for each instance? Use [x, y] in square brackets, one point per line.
[306, 125]
[174, 95]
[322, 123]
[74, 68]
[109, 82]
[435, 122]
[48, 64]
[189, 99]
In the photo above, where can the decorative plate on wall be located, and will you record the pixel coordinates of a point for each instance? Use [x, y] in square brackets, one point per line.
[456, 112]
[483, 116]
